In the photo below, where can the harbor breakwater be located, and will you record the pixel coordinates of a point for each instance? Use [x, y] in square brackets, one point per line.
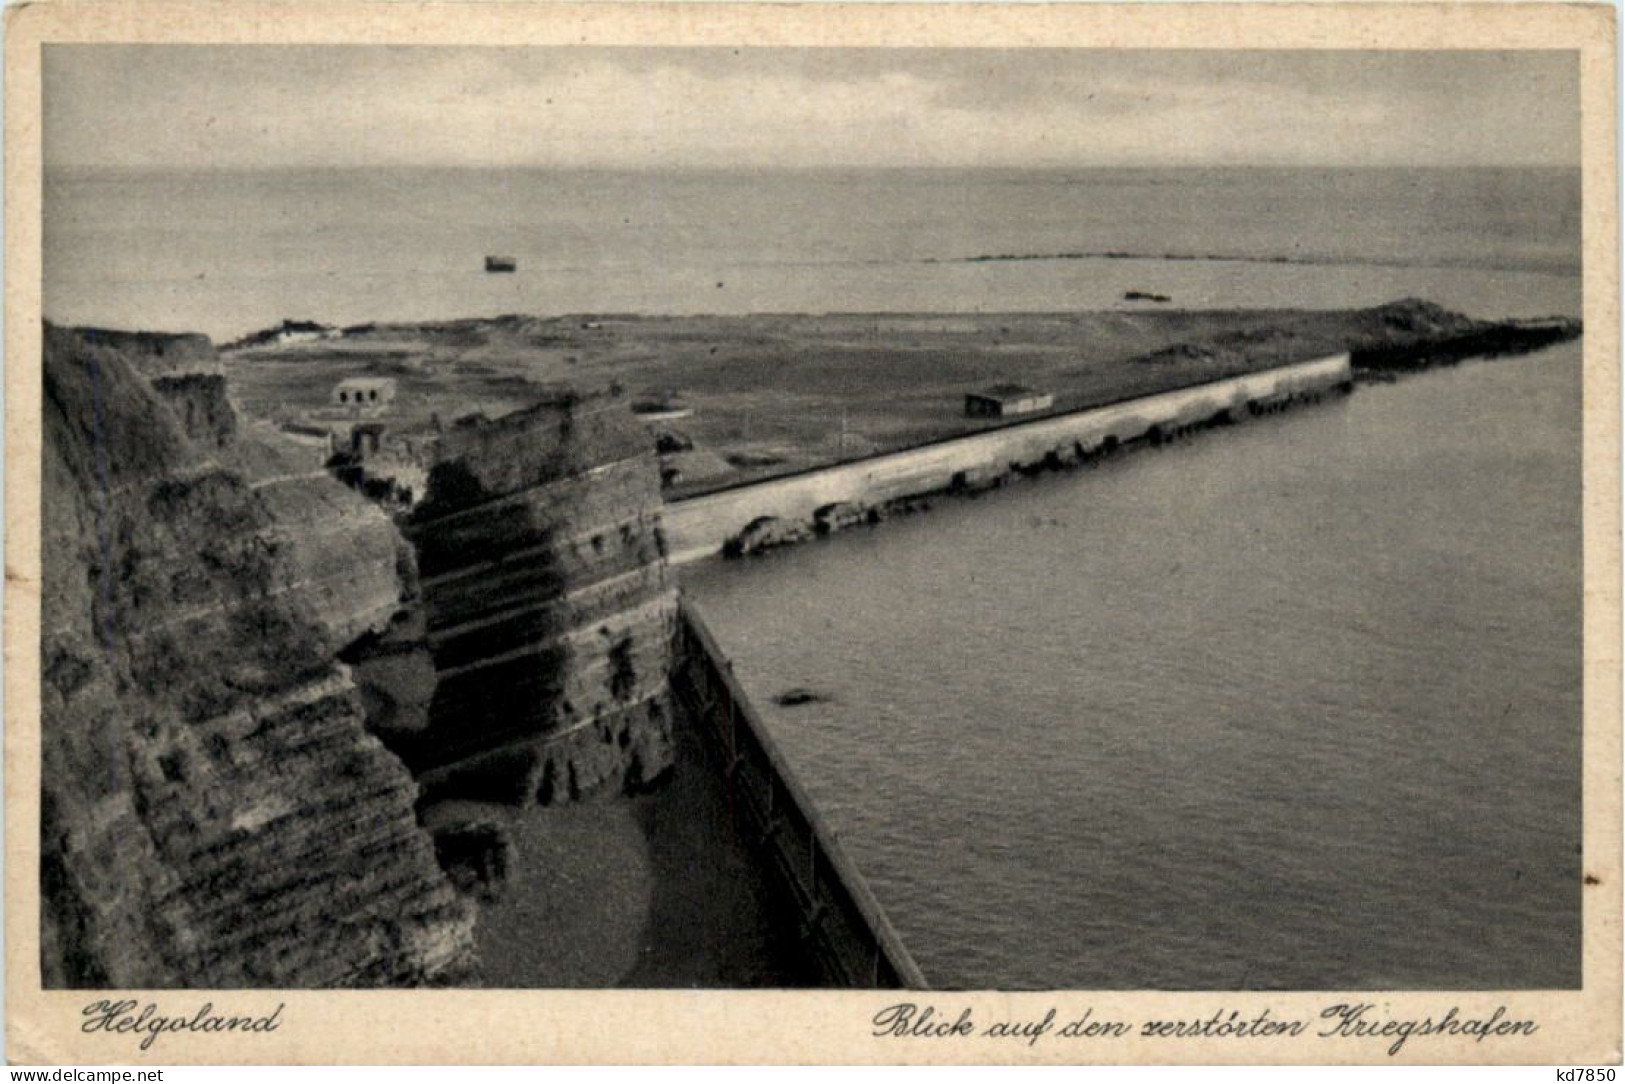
[787, 509]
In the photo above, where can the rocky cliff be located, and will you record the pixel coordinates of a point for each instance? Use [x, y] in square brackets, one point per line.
[214, 813]
[542, 647]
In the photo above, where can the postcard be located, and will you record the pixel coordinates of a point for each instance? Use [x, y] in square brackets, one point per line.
[919, 533]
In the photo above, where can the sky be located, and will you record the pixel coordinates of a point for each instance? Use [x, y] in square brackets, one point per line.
[644, 108]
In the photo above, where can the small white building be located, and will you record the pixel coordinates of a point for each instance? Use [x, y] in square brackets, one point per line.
[1005, 400]
[364, 393]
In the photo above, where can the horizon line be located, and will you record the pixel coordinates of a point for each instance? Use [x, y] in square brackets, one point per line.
[1047, 167]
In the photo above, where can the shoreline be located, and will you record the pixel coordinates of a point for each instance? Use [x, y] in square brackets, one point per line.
[739, 399]
[781, 519]
[754, 518]
[546, 496]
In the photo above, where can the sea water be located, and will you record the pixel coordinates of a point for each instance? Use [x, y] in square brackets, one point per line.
[229, 252]
[1293, 705]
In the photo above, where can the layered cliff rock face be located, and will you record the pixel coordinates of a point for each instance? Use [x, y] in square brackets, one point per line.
[214, 812]
[200, 403]
[349, 560]
[547, 609]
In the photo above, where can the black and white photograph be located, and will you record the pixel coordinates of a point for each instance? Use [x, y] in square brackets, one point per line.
[908, 519]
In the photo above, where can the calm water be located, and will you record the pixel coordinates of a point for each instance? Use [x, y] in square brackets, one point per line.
[1291, 705]
[227, 253]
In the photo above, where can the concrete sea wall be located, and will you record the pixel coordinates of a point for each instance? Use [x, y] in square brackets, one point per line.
[701, 526]
[845, 932]
[841, 924]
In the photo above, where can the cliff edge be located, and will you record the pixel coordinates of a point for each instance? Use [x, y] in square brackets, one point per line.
[547, 605]
[214, 812]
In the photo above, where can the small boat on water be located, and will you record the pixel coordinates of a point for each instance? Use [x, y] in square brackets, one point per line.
[495, 265]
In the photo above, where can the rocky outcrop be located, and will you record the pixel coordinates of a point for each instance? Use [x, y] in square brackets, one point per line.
[199, 402]
[839, 516]
[766, 533]
[153, 354]
[348, 560]
[1402, 335]
[474, 848]
[214, 813]
[547, 608]
[1413, 334]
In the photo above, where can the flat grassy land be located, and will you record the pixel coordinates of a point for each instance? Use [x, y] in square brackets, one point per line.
[770, 394]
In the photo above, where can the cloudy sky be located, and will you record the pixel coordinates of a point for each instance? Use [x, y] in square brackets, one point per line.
[213, 106]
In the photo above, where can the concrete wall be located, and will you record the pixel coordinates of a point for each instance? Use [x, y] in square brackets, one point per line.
[844, 929]
[699, 526]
